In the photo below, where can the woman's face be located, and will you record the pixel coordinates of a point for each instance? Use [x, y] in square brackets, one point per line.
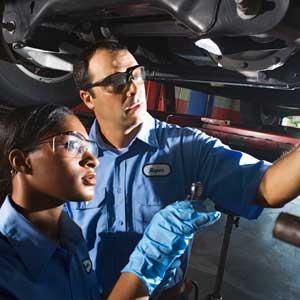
[62, 167]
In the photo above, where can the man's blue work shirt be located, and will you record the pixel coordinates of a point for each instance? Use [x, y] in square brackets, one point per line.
[156, 169]
[33, 267]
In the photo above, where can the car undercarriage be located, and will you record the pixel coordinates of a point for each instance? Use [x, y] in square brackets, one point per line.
[229, 47]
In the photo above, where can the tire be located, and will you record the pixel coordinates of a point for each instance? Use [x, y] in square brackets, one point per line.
[19, 89]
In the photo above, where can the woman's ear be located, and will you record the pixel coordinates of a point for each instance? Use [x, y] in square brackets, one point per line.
[87, 99]
[19, 162]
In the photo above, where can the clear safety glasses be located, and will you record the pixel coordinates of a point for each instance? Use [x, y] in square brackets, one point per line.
[71, 144]
[117, 82]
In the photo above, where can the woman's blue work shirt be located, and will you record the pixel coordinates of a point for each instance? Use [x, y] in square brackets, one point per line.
[34, 267]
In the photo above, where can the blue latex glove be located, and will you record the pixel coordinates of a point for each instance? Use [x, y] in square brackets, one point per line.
[166, 239]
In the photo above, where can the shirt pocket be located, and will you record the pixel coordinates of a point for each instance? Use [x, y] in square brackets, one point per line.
[154, 191]
[144, 214]
[91, 216]
[98, 201]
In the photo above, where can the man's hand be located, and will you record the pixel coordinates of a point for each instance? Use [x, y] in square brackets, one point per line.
[166, 239]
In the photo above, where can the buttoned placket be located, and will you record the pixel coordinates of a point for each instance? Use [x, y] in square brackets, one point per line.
[120, 193]
[66, 258]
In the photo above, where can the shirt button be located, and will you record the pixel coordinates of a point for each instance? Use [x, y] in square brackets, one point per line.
[119, 190]
[121, 223]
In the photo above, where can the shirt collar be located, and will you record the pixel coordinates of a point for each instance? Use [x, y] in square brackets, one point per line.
[33, 248]
[146, 134]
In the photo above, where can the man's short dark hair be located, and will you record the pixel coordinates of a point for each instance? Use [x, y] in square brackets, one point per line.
[81, 67]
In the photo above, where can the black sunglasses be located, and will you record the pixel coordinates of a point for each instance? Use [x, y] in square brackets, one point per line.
[117, 82]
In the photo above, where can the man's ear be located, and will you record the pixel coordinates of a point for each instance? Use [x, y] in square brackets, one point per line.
[87, 99]
[19, 162]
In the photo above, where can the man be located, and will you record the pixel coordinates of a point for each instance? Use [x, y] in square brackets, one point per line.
[146, 164]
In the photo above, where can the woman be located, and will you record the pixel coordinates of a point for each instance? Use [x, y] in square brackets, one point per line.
[47, 159]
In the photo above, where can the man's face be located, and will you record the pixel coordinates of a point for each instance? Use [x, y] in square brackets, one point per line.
[122, 109]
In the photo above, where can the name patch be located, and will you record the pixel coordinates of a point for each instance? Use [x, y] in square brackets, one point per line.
[156, 170]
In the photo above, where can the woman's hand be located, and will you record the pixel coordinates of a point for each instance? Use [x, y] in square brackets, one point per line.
[166, 239]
